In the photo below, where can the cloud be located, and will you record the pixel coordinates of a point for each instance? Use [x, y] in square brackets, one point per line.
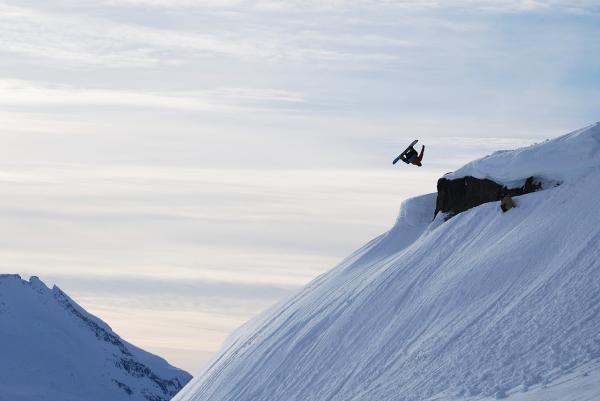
[511, 6]
[38, 34]
[525, 6]
[30, 94]
[89, 40]
[82, 39]
[307, 32]
[172, 287]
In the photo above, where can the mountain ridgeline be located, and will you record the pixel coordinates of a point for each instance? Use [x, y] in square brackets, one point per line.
[52, 349]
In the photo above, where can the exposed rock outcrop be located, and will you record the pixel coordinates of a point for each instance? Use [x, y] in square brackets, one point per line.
[507, 203]
[456, 196]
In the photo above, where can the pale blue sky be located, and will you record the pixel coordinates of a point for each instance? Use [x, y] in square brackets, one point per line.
[177, 166]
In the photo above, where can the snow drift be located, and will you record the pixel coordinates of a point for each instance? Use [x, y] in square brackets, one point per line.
[53, 350]
[486, 304]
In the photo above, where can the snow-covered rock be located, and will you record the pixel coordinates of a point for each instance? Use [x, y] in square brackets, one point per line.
[53, 350]
[484, 305]
[563, 159]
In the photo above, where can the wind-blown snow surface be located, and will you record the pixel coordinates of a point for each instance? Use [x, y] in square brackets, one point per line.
[486, 304]
[53, 350]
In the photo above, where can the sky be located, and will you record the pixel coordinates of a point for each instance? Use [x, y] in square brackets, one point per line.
[178, 166]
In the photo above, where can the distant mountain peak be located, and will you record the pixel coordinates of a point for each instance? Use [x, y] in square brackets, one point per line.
[53, 349]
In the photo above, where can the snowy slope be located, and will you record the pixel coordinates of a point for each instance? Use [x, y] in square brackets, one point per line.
[53, 350]
[486, 304]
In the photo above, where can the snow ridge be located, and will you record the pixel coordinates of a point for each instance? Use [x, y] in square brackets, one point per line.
[53, 349]
[486, 304]
[563, 159]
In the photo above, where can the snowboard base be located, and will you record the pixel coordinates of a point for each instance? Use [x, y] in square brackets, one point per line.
[405, 150]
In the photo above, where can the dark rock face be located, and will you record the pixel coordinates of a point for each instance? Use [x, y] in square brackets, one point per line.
[169, 387]
[456, 196]
[126, 361]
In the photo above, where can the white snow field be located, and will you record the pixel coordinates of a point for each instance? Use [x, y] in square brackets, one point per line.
[53, 350]
[484, 305]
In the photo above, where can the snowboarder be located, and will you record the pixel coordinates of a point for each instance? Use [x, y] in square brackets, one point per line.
[411, 156]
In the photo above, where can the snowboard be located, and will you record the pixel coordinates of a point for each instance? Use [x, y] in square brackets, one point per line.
[405, 150]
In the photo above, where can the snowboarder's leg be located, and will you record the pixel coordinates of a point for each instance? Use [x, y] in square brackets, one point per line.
[418, 161]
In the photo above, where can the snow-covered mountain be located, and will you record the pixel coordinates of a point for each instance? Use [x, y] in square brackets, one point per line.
[484, 304]
[53, 350]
